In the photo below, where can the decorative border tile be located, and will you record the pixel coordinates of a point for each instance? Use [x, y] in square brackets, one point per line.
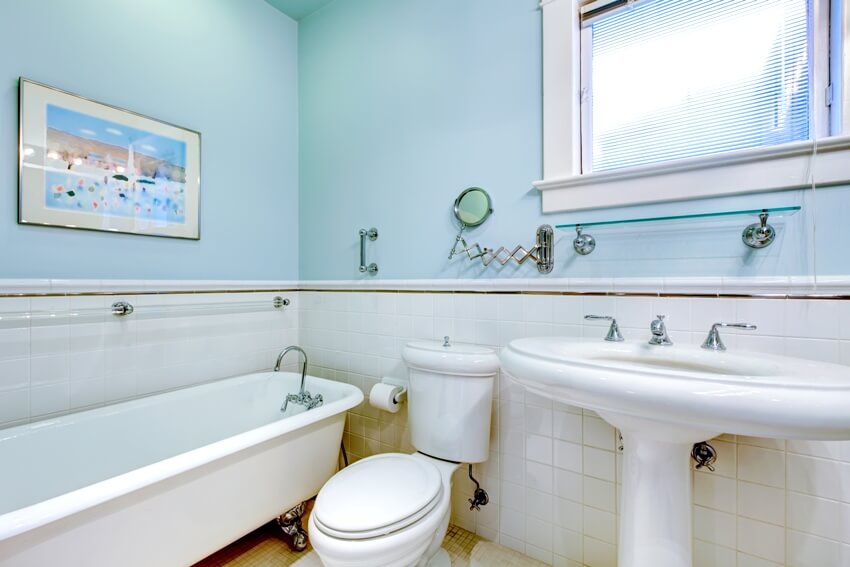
[779, 287]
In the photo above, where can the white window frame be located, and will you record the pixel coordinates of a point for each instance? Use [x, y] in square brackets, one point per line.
[786, 166]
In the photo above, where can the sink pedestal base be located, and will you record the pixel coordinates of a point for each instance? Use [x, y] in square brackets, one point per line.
[655, 516]
[655, 505]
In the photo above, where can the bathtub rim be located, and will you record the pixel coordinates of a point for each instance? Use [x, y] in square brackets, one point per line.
[36, 515]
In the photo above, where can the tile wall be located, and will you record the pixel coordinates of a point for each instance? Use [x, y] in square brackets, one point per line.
[71, 363]
[553, 469]
[553, 473]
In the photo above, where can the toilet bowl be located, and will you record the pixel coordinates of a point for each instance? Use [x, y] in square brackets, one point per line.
[393, 509]
[388, 510]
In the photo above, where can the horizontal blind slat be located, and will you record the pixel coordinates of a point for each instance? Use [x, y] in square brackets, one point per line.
[674, 79]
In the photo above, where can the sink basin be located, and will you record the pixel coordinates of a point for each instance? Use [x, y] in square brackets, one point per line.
[740, 392]
[666, 398]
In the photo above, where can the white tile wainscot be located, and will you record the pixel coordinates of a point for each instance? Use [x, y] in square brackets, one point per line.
[553, 470]
[51, 369]
[553, 473]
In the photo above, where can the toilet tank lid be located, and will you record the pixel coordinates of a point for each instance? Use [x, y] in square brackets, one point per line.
[457, 358]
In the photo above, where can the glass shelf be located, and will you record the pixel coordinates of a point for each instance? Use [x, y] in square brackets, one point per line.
[788, 211]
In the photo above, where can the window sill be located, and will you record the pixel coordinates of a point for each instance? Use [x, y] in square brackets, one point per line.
[758, 170]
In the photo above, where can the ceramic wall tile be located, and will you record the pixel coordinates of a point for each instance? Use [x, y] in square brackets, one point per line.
[552, 472]
[50, 367]
[554, 468]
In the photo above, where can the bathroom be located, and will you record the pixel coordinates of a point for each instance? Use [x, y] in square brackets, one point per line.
[316, 119]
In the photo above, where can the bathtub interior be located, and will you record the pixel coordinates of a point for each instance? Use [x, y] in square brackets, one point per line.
[57, 456]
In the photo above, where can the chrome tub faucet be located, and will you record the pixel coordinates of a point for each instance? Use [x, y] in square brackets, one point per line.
[303, 397]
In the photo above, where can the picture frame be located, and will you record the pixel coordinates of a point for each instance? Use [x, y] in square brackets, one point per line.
[88, 165]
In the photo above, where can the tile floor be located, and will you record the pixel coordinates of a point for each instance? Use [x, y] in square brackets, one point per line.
[263, 548]
[260, 548]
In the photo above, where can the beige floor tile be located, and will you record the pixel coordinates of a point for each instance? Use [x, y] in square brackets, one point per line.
[265, 548]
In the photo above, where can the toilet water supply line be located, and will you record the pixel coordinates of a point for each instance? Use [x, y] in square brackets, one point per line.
[479, 497]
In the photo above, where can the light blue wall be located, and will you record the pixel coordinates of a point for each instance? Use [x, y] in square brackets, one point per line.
[403, 103]
[227, 68]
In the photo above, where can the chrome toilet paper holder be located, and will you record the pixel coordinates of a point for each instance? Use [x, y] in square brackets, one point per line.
[401, 396]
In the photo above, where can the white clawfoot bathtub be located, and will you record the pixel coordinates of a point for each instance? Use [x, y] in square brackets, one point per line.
[168, 479]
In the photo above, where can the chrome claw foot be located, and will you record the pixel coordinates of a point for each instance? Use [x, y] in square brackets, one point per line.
[290, 525]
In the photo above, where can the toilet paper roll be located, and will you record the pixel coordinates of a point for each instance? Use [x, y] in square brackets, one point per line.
[382, 396]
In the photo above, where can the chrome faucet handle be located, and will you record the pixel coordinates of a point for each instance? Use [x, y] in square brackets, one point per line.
[659, 332]
[294, 398]
[713, 340]
[614, 334]
[305, 399]
[314, 401]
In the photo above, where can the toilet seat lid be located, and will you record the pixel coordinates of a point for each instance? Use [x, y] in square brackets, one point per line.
[377, 496]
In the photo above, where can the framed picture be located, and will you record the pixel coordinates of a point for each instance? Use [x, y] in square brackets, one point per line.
[89, 165]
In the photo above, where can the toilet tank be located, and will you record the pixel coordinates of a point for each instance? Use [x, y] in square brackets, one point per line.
[450, 399]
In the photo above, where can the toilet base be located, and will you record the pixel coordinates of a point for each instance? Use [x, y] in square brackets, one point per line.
[440, 559]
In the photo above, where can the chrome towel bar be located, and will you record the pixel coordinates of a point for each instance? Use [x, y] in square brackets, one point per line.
[125, 308]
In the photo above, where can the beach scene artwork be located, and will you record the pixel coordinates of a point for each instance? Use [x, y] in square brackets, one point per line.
[99, 167]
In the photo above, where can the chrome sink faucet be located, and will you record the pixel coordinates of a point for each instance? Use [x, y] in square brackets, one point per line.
[614, 334]
[713, 340]
[303, 397]
[659, 333]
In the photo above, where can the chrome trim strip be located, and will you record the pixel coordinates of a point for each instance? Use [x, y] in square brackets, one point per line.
[130, 292]
[718, 295]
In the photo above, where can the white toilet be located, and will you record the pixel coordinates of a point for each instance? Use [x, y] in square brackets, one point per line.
[393, 509]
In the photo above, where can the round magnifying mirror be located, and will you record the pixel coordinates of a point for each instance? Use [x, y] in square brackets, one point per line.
[473, 206]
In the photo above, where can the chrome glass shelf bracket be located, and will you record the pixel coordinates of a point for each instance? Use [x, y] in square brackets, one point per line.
[542, 253]
[371, 234]
[757, 235]
[583, 244]
[760, 234]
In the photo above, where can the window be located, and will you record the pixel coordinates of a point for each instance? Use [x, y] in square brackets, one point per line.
[702, 77]
[695, 97]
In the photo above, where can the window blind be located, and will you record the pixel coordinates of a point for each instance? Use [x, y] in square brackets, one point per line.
[598, 8]
[672, 79]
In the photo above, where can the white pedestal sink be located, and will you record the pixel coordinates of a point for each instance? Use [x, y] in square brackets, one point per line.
[663, 399]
